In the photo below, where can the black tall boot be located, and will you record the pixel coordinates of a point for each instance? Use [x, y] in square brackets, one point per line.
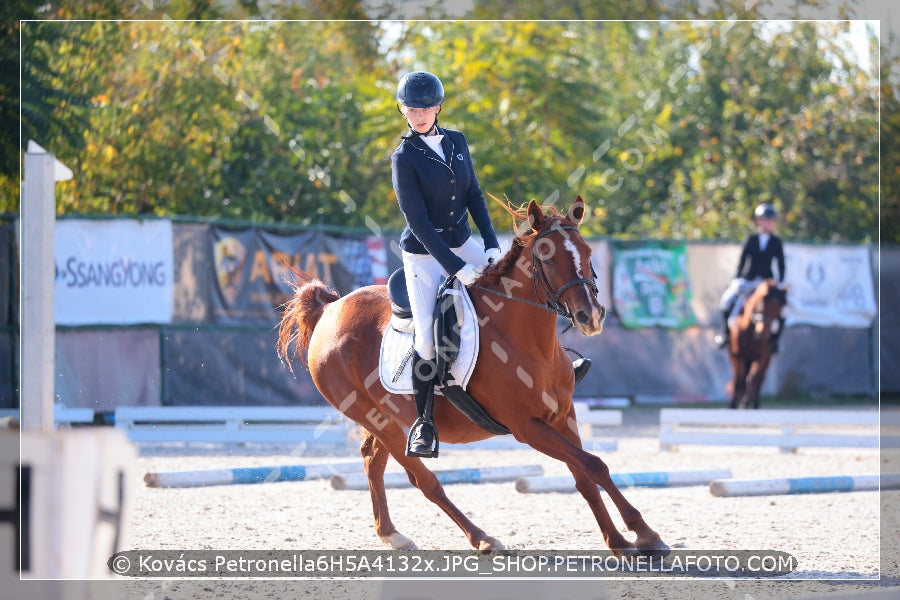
[423, 434]
[723, 338]
[581, 366]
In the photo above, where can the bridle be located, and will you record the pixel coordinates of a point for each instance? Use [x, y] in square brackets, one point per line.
[542, 283]
[759, 312]
[540, 277]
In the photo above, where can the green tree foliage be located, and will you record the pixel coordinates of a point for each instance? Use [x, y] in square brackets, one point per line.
[778, 122]
[890, 131]
[669, 129]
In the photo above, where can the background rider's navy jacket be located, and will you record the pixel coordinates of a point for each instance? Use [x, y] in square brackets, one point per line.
[758, 263]
[437, 197]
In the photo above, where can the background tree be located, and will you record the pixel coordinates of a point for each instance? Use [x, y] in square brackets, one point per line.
[890, 131]
[671, 129]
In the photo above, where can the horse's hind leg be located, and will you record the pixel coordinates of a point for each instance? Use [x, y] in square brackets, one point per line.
[391, 439]
[375, 457]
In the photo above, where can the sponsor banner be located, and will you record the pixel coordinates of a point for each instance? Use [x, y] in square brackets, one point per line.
[113, 272]
[651, 285]
[377, 251]
[253, 276]
[830, 286]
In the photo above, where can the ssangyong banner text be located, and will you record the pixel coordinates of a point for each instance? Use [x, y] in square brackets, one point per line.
[113, 272]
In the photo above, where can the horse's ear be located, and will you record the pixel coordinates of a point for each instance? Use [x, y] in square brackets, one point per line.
[535, 216]
[576, 211]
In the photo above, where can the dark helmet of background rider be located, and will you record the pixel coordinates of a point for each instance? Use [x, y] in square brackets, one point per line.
[765, 211]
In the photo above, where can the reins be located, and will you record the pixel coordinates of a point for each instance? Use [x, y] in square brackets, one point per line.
[552, 303]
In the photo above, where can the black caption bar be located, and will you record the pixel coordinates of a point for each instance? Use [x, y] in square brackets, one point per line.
[450, 564]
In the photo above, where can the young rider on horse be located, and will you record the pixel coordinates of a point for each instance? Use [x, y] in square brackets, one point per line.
[437, 189]
[755, 264]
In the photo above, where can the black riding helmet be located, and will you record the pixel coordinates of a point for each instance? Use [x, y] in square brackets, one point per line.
[420, 89]
[765, 211]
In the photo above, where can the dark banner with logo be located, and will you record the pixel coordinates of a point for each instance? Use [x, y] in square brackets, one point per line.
[253, 271]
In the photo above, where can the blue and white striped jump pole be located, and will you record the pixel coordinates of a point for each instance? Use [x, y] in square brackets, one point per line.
[566, 483]
[802, 485]
[400, 480]
[178, 479]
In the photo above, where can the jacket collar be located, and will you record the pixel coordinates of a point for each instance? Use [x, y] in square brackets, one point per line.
[446, 144]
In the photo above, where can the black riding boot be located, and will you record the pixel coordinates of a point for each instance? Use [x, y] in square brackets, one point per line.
[422, 434]
[581, 366]
[723, 338]
[773, 341]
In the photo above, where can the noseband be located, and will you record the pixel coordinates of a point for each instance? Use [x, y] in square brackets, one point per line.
[759, 312]
[540, 278]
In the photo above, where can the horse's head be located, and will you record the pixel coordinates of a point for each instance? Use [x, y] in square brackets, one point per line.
[561, 266]
[766, 304]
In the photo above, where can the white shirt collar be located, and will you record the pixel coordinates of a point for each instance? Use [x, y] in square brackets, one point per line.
[434, 142]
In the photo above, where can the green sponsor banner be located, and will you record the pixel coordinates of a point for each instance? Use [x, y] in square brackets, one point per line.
[651, 286]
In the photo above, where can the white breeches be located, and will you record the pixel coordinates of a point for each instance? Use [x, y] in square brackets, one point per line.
[738, 287]
[424, 275]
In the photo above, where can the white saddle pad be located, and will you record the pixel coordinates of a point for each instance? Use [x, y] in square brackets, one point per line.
[395, 362]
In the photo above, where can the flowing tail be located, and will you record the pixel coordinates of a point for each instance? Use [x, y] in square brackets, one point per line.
[301, 314]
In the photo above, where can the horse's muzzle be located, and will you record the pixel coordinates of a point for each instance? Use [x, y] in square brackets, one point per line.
[590, 322]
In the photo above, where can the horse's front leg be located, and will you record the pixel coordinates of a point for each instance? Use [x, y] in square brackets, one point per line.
[589, 472]
[755, 380]
[739, 381]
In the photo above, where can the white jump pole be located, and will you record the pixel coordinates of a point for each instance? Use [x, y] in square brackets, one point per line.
[246, 475]
[803, 485]
[566, 483]
[401, 480]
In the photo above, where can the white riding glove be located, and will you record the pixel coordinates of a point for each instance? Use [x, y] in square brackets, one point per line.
[468, 274]
[493, 255]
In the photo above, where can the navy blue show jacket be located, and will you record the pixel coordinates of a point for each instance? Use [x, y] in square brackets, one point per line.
[437, 196]
[758, 263]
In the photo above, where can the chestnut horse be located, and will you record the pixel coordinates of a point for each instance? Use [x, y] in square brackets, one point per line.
[523, 378]
[749, 348]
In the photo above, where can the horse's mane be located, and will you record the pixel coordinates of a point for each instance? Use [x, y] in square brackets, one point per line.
[522, 239]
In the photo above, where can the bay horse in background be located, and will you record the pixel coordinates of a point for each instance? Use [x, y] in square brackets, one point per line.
[749, 347]
[524, 382]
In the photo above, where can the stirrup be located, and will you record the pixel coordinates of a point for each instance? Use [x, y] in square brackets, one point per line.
[581, 367]
[421, 449]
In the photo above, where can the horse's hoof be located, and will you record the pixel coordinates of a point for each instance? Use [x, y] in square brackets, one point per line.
[627, 551]
[659, 549]
[489, 545]
[398, 541]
